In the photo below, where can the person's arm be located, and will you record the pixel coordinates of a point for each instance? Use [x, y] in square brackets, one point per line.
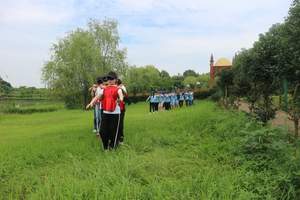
[92, 103]
[121, 96]
[98, 96]
[124, 89]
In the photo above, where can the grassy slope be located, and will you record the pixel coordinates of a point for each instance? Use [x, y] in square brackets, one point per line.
[169, 155]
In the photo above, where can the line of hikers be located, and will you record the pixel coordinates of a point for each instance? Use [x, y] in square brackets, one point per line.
[167, 101]
[109, 110]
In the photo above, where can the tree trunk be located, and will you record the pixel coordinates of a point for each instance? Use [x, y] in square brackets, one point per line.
[295, 109]
[296, 125]
[280, 102]
[226, 94]
[85, 93]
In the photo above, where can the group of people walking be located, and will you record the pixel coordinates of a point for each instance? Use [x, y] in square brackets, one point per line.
[109, 107]
[109, 110]
[167, 101]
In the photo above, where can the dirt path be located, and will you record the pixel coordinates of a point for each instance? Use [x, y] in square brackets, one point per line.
[281, 118]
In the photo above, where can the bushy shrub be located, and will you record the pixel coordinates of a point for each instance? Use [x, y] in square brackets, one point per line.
[73, 102]
[268, 153]
[264, 115]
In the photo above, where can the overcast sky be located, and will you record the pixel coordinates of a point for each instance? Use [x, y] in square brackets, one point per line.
[173, 35]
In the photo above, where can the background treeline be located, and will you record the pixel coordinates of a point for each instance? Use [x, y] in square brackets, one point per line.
[270, 68]
[8, 92]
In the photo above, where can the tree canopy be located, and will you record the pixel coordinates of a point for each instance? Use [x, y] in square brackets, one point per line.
[81, 56]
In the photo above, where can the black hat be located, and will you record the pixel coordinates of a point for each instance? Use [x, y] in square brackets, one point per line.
[104, 78]
[99, 80]
[112, 75]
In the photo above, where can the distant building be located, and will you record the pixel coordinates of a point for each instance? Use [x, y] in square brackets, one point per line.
[215, 68]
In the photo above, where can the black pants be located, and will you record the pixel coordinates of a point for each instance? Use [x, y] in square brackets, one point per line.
[121, 127]
[110, 130]
[156, 106]
[152, 107]
[168, 106]
[187, 103]
[180, 103]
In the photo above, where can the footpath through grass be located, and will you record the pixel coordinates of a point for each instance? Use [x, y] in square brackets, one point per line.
[192, 153]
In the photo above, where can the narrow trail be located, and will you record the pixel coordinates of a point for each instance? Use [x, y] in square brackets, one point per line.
[281, 119]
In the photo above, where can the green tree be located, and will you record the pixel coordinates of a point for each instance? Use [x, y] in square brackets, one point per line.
[5, 87]
[143, 79]
[224, 82]
[80, 57]
[291, 57]
[190, 72]
[190, 81]
[203, 79]
[177, 81]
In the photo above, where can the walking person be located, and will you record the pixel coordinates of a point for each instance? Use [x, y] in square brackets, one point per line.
[92, 91]
[161, 101]
[98, 105]
[110, 95]
[181, 99]
[151, 100]
[156, 102]
[186, 98]
[167, 102]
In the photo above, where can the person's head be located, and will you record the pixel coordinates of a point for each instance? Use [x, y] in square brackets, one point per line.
[99, 80]
[105, 80]
[112, 78]
[119, 82]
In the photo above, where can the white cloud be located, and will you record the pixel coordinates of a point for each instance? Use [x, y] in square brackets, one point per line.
[27, 12]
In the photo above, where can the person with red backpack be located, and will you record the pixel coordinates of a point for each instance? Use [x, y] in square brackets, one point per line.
[111, 95]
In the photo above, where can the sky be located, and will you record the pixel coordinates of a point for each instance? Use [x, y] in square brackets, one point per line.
[173, 35]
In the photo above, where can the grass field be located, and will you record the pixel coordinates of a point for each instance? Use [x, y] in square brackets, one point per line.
[192, 153]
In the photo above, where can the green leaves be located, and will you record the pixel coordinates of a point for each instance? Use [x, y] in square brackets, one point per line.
[80, 57]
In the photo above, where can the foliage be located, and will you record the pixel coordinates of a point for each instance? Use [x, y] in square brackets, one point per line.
[80, 57]
[178, 81]
[190, 72]
[190, 81]
[292, 73]
[259, 72]
[203, 80]
[143, 79]
[224, 82]
[268, 151]
[5, 87]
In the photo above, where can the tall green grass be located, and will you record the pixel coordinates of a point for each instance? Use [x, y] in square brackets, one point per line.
[200, 152]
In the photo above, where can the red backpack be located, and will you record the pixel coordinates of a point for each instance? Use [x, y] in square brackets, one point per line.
[110, 97]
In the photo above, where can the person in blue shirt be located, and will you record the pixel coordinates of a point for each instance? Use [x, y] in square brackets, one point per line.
[191, 98]
[173, 100]
[167, 102]
[151, 100]
[156, 102]
[186, 98]
[176, 97]
[161, 101]
[181, 99]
